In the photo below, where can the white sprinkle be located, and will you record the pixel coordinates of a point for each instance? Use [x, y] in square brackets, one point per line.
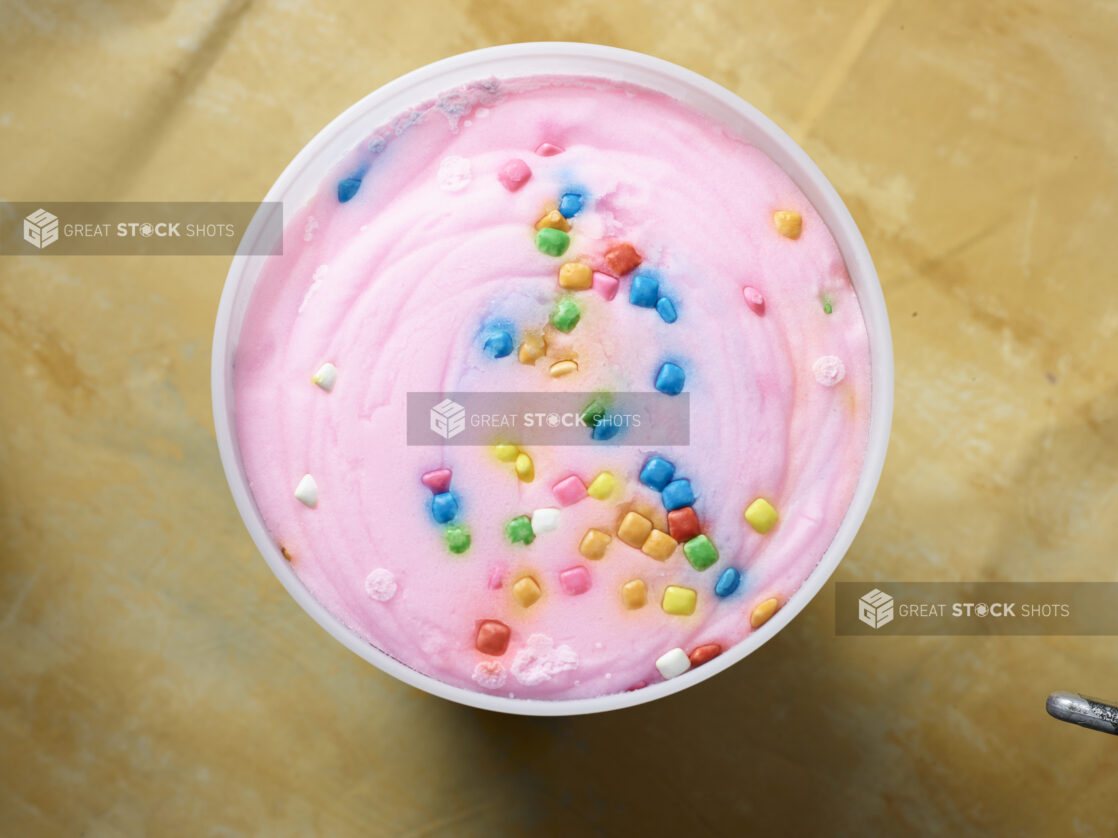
[598, 645]
[381, 585]
[454, 174]
[490, 675]
[326, 376]
[307, 491]
[609, 675]
[309, 228]
[673, 664]
[545, 520]
[829, 370]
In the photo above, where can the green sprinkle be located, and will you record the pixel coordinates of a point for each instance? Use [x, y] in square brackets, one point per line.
[565, 316]
[552, 242]
[593, 413]
[700, 552]
[827, 308]
[519, 530]
[457, 539]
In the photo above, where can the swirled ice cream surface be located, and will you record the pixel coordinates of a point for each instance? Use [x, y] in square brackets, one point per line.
[418, 267]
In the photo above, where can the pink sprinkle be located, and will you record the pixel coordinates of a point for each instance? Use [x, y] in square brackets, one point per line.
[575, 580]
[548, 150]
[496, 577]
[606, 285]
[438, 481]
[490, 674]
[569, 490]
[514, 174]
[754, 299]
[640, 685]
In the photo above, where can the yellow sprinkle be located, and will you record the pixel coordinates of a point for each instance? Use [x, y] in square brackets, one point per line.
[526, 591]
[575, 276]
[555, 219]
[524, 468]
[761, 515]
[533, 348]
[634, 529]
[506, 453]
[788, 223]
[659, 545]
[561, 368]
[762, 612]
[679, 600]
[602, 486]
[634, 594]
[594, 544]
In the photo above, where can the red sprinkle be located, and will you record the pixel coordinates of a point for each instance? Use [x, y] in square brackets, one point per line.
[492, 637]
[701, 654]
[754, 299]
[622, 259]
[640, 685]
[438, 481]
[683, 524]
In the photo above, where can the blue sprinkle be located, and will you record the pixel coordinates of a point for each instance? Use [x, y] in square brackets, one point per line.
[670, 379]
[677, 495]
[348, 188]
[657, 473]
[667, 310]
[444, 508]
[645, 291]
[498, 345]
[728, 582]
[570, 204]
[607, 428]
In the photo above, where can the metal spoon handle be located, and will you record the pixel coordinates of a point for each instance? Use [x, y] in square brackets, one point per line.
[1081, 710]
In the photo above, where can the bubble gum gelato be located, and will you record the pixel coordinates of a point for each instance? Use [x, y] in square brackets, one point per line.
[538, 235]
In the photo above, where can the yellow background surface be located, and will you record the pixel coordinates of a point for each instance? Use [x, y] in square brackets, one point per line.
[155, 679]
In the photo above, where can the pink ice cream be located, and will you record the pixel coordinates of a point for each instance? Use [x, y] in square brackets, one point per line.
[394, 287]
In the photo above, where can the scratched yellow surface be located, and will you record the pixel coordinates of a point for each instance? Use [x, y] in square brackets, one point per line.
[156, 680]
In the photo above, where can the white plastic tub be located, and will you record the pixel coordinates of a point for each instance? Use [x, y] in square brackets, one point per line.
[305, 173]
